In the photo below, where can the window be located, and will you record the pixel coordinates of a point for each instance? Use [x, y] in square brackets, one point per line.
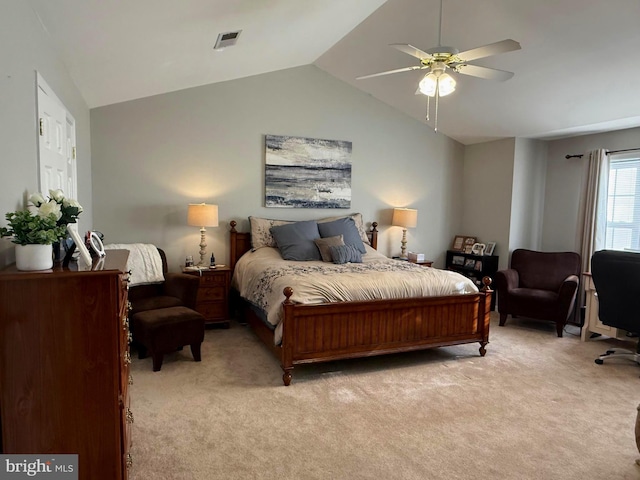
[623, 203]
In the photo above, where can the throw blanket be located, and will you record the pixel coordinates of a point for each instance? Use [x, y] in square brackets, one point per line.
[260, 277]
[144, 262]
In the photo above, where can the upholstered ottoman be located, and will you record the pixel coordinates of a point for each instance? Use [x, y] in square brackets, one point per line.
[165, 330]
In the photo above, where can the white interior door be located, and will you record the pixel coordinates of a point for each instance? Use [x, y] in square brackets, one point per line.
[57, 143]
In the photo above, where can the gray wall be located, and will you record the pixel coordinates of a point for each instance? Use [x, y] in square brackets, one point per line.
[24, 49]
[488, 183]
[154, 156]
[527, 199]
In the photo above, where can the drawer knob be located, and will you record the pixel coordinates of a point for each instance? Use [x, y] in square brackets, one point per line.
[127, 358]
[130, 380]
[129, 462]
[129, 416]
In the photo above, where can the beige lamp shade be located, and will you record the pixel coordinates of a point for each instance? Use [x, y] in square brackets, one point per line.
[202, 215]
[404, 217]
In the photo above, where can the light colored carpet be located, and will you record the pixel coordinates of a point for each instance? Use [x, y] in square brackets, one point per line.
[536, 407]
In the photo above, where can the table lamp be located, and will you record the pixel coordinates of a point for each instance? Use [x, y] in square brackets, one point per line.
[202, 215]
[405, 218]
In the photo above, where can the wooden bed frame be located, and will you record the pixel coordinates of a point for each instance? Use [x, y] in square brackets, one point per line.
[333, 331]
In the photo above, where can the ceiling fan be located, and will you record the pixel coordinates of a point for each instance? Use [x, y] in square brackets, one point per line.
[437, 60]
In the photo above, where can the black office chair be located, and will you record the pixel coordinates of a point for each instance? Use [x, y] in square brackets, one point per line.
[616, 276]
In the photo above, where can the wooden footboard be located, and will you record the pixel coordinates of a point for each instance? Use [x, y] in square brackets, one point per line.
[324, 332]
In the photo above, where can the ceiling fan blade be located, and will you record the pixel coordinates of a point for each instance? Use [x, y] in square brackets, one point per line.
[389, 72]
[483, 72]
[492, 49]
[411, 50]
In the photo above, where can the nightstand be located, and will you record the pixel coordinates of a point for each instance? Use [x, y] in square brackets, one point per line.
[213, 294]
[424, 263]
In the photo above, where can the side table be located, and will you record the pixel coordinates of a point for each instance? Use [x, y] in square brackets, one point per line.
[424, 263]
[213, 294]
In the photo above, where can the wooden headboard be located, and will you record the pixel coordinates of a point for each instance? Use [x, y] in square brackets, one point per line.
[240, 242]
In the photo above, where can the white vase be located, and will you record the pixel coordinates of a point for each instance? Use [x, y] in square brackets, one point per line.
[34, 257]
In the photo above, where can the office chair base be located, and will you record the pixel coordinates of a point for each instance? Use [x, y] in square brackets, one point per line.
[618, 353]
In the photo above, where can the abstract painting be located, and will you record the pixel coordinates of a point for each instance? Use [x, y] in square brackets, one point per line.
[307, 172]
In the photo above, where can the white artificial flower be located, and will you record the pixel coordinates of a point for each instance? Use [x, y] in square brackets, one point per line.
[37, 199]
[70, 202]
[57, 195]
[48, 208]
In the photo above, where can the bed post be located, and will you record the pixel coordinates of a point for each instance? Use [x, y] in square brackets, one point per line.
[233, 245]
[373, 235]
[287, 356]
[484, 313]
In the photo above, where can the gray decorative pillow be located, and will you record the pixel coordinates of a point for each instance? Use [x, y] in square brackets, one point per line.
[345, 227]
[345, 254]
[357, 218]
[324, 244]
[296, 240]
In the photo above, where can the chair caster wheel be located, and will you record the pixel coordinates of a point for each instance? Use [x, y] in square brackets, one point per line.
[599, 361]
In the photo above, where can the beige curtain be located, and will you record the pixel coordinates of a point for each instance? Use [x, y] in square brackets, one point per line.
[592, 218]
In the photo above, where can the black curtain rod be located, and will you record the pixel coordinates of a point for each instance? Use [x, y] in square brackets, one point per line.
[608, 153]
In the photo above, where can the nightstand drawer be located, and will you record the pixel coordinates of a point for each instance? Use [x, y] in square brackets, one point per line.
[207, 294]
[214, 279]
[213, 311]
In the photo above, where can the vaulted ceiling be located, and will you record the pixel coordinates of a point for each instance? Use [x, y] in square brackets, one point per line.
[577, 71]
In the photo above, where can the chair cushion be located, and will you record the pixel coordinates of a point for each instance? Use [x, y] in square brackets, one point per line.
[154, 303]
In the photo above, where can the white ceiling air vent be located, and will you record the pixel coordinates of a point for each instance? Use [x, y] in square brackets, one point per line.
[226, 40]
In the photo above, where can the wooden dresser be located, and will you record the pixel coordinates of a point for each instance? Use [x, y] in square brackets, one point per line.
[64, 365]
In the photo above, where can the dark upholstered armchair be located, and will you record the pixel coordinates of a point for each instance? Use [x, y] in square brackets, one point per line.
[178, 289]
[163, 316]
[539, 285]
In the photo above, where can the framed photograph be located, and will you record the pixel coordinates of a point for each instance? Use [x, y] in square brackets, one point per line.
[458, 243]
[478, 248]
[491, 246]
[457, 260]
[469, 263]
[468, 244]
[478, 265]
[72, 228]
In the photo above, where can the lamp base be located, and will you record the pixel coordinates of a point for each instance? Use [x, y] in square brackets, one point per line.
[403, 249]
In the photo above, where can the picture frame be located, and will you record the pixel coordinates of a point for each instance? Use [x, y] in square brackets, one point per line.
[470, 263]
[478, 265]
[490, 247]
[457, 260]
[72, 228]
[468, 244]
[458, 243]
[478, 248]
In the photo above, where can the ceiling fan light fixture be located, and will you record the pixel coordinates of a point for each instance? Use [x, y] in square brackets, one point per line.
[429, 84]
[446, 85]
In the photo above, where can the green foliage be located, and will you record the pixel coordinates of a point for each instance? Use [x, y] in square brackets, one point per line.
[28, 229]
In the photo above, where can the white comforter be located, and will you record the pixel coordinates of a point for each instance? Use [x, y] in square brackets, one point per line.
[262, 275]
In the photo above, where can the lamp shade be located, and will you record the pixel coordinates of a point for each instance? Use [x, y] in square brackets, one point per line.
[202, 215]
[404, 217]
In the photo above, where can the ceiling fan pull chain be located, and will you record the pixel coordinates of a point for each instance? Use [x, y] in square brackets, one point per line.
[428, 98]
[435, 124]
